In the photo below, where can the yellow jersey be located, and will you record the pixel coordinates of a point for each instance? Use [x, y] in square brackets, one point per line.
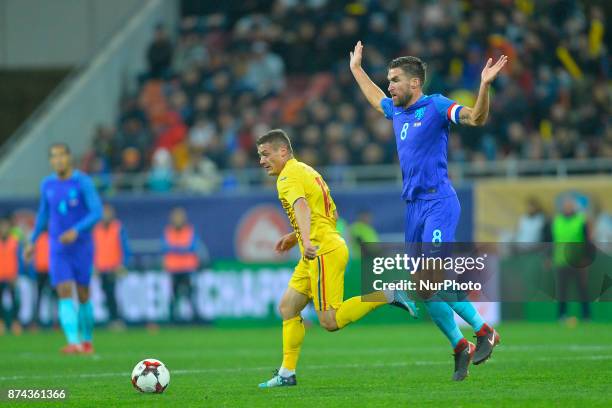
[298, 180]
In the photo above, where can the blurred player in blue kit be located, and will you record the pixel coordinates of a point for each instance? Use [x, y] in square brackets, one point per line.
[421, 124]
[69, 208]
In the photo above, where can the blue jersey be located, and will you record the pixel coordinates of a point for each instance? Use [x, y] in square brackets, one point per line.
[421, 135]
[66, 204]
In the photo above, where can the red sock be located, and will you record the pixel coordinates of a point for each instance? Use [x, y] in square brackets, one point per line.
[463, 343]
[484, 330]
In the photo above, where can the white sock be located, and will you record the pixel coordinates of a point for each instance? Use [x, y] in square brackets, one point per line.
[389, 295]
[283, 372]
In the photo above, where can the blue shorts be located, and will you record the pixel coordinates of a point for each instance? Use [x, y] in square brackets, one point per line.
[432, 220]
[71, 263]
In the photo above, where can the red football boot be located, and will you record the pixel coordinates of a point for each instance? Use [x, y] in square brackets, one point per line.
[72, 349]
[87, 347]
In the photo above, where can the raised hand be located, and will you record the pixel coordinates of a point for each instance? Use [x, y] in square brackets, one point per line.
[69, 236]
[490, 71]
[286, 242]
[356, 56]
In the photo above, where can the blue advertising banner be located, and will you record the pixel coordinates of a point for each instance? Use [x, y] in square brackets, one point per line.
[246, 226]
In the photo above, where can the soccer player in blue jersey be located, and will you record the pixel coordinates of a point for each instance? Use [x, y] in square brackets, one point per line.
[69, 207]
[421, 124]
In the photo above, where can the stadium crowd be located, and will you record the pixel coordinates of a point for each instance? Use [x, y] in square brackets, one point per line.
[221, 79]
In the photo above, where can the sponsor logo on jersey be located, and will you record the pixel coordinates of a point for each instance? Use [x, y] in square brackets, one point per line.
[419, 113]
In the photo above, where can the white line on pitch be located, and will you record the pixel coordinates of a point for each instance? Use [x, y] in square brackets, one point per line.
[309, 367]
[343, 351]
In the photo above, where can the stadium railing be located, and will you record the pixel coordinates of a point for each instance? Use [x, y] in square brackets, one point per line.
[354, 176]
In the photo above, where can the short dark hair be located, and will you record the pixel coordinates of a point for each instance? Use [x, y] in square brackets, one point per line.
[60, 144]
[275, 137]
[413, 67]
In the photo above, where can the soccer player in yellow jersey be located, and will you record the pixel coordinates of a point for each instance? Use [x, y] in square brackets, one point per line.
[319, 275]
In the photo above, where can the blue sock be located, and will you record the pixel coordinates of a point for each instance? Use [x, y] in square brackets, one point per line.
[443, 317]
[86, 321]
[468, 312]
[68, 320]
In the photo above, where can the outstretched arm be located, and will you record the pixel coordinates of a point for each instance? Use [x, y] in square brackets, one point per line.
[370, 90]
[477, 116]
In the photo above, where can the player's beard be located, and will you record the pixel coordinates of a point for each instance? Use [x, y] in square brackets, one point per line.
[403, 101]
[63, 171]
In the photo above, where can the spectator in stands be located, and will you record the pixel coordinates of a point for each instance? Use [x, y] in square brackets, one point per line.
[379, 37]
[190, 52]
[10, 265]
[373, 154]
[159, 54]
[99, 171]
[265, 72]
[239, 160]
[130, 168]
[111, 256]
[338, 161]
[134, 134]
[179, 103]
[544, 99]
[161, 175]
[201, 134]
[201, 175]
[40, 262]
[179, 246]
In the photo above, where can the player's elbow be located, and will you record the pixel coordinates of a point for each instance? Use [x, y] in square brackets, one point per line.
[478, 120]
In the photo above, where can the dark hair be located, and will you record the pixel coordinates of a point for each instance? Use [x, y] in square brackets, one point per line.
[413, 67]
[275, 137]
[60, 144]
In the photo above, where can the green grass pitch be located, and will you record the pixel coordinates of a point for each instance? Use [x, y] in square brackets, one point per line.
[364, 365]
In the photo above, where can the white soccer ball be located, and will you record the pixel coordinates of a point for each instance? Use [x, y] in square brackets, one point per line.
[150, 375]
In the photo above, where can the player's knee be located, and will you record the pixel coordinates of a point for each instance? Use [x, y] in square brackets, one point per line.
[83, 294]
[287, 311]
[64, 290]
